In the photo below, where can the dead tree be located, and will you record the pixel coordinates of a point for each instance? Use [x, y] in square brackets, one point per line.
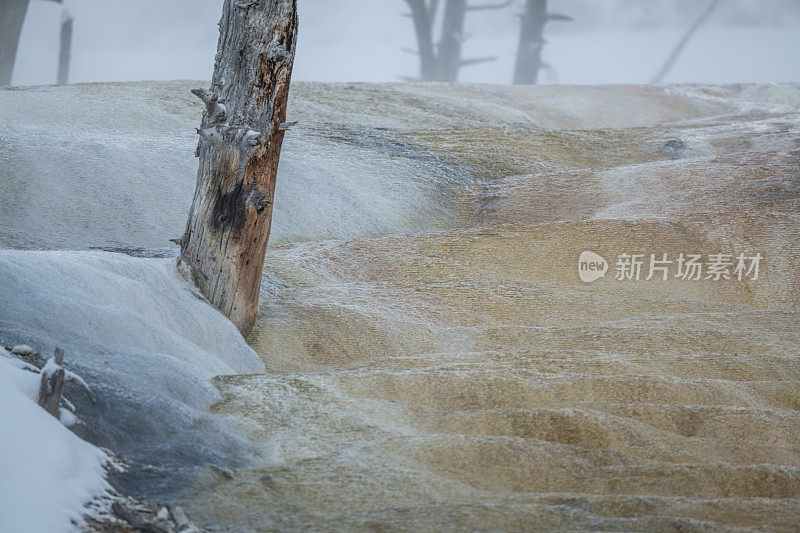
[442, 61]
[12, 15]
[678, 50]
[240, 143]
[531, 41]
[65, 48]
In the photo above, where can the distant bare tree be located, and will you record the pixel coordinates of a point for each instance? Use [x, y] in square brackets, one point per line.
[12, 16]
[65, 49]
[531, 41]
[676, 52]
[442, 61]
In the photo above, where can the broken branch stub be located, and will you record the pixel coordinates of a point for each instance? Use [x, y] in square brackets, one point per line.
[51, 386]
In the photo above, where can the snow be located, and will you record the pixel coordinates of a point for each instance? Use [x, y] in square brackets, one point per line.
[23, 365]
[67, 417]
[50, 368]
[22, 349]
[140, 335]
[48, 473]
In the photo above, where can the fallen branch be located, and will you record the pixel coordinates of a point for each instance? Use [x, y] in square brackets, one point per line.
[123, 513]
[71, 377]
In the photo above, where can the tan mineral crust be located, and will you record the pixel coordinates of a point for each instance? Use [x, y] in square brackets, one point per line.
[467, 379]
[457, 374]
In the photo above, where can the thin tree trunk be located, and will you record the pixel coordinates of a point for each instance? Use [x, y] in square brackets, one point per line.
[423, 16]
[531, 42]
[240, 143]
[678, 50]
[64, 51]
[449, 57]
[12, 15]
[443, 61]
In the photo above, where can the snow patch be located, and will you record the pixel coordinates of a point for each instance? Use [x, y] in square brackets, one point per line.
[48, 473]
[22, 349]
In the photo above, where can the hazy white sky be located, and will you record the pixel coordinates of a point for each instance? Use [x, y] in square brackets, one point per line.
[612, 41]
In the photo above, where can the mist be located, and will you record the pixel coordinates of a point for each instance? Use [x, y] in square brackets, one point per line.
[610, 41]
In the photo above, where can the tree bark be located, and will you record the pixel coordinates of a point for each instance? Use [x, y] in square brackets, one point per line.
[240, 143]
[531, 42]
[12, 15]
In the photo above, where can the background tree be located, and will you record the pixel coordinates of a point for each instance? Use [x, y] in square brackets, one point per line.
[12, 17]
[65, 46]
[442, 61]
[531, 41]
[678, 50]
[240, 144]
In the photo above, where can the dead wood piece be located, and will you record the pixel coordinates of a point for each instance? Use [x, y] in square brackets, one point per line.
[123, 513]
[239, 147]
[51, 387]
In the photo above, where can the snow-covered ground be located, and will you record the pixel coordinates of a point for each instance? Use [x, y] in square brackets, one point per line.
[47, 472]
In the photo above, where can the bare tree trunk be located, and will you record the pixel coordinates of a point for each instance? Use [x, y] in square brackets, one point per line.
[12, 15]
[64, 51]
[531, 42]
[676, 52]
[455, 12]
[240, 143]
[423, 15]
[443, 61]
